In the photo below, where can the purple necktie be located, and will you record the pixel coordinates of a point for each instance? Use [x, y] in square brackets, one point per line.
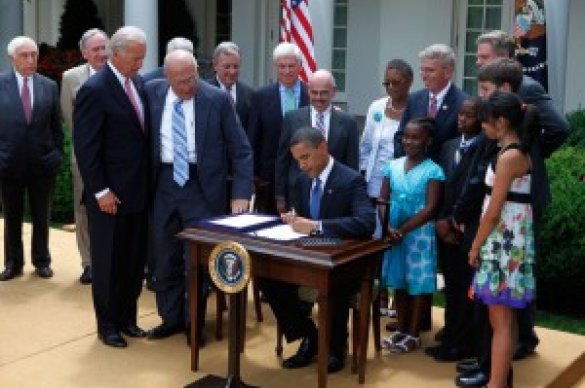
[433, 107]
[25, 98]
[132, 98]
[228, 89]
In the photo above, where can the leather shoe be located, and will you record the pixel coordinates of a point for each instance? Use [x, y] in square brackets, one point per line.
[113, 339]
[335, 363]
[467, 366]
[44, 272]
[305, 354]
[133, 331]
[477, 379]
[85, 277]
[523, 350]
[445, 353]
[10, 273]
[163, 331]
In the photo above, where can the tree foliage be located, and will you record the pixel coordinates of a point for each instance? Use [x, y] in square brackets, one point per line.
[78, 17]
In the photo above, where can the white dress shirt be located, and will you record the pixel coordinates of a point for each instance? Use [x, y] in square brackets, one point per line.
[166, 128]
[326, 119]
[29, 82]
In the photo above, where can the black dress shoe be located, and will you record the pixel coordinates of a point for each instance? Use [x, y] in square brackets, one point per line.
[305, 354]
[163, 331]
[523, 350]
[44, 272]
[10, 273]
[477, 379]
[468, 366]
[85, 277]
[335, 363]
[133, 331]
[113, 339]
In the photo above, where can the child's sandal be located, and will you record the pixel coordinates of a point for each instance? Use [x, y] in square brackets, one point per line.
[408, 344]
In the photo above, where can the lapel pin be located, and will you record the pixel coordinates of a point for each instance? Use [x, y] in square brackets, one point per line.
[329, 191]
[445, 107]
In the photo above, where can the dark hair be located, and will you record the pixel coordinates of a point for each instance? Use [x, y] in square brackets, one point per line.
[402, 67]
[502, 43]
[500, 71]
[427, 124]
[475, 101]
[524, 120]
[307, 135]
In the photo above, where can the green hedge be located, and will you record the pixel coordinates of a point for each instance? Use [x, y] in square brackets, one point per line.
[62, 209]
[577, 122]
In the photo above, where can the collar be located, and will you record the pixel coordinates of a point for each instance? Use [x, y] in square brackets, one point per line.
[466, 143]
[441, 95]
[172, 97]
[326, 112]
[324, 175]
[121, 78]
[296, 87]
[92, 71]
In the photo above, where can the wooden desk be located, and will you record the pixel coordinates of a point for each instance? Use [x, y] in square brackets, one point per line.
[326, 269]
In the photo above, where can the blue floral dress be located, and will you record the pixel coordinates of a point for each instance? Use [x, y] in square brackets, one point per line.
[506, 271]
[412, 263]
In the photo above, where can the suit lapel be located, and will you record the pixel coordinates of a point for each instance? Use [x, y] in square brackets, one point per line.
[12, 88]
[120, 94]
[201, 109]
[38, 96]
[328, 192]
[334, 129]
[444, 110]
[158, 104]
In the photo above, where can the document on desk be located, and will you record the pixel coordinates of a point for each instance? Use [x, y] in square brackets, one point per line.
[242, 221]
[282, 232]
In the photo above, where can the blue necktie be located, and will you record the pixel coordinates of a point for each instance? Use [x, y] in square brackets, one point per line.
[315, 204]
[180, 152]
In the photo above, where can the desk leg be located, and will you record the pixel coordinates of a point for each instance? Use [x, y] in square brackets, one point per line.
[324, 331]
[365, 303]
[195, 279]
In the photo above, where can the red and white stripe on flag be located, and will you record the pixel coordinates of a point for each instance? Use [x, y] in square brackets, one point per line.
[295, 27]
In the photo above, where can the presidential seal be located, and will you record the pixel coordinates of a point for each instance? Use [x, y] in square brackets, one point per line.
[229, 267]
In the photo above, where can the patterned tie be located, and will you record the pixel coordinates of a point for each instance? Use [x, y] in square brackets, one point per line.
[315, 204]
[228, 89]
[133, 101]
[180, 152]
[290, 102]
[433, 107]
[25, 98]
[321, 122]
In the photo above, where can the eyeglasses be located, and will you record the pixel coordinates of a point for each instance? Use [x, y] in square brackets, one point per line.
[391, 83]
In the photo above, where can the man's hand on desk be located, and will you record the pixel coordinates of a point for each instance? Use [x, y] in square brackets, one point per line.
[299, 224]
[240, 206]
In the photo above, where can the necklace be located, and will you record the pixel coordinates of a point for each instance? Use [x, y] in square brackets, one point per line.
[391, 108]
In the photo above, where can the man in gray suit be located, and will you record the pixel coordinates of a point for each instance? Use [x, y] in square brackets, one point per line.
[93, 49]
[339, 129]
[31, 151]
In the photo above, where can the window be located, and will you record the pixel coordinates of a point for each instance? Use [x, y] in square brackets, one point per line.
[223, 25]
[479, 16]
[339, 54]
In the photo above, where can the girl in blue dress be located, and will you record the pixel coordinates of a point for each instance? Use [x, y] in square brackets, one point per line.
[415, 186]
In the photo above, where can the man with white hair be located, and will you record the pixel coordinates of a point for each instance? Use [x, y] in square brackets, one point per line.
[269, 104]
[93, 49]
[439, 99]
[111, 148]
[177, 43]
[31, 151]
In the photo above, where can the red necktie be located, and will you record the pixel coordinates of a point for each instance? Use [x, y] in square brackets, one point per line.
[25, 98]
[132, 98]
[433, 107]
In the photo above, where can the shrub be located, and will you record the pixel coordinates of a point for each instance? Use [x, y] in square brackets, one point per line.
[561, 264]
[62, 209]
[577, 122]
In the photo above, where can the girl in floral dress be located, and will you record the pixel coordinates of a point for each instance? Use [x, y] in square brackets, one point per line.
[503, 249]
[415, 186]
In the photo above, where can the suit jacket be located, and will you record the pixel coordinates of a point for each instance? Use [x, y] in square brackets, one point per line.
[70, 84]
[29, 148]
[111, 146]
[218, 134]
[243, 97]
[265, 126]
[446, 118]
[342, 142]
[346, 210]
[158, 73]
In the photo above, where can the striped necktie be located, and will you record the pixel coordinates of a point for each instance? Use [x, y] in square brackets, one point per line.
[180, 152]
[433, 107]
[321, 122]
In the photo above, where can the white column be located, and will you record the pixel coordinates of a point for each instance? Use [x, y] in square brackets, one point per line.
[10, 26]
[144, 14]
[557, 37]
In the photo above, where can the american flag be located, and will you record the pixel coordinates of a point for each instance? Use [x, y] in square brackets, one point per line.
[295, 27]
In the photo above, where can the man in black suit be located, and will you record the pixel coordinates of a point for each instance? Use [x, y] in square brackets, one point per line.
[31, 151]
[268, 106]
[344, 210]
[195, 132]
[339, 129]
[227, 60]
[177, 43]
[506, 74]
[110, 141]
[439, 99]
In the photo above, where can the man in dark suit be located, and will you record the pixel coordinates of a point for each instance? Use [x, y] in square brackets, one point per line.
[110, 141]
[269, 104]
[339, 129]
[330, 199]
[177, 43]
[506, 74]
[227, 60]
[31, 151]
[195, 132]
[439, 99]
